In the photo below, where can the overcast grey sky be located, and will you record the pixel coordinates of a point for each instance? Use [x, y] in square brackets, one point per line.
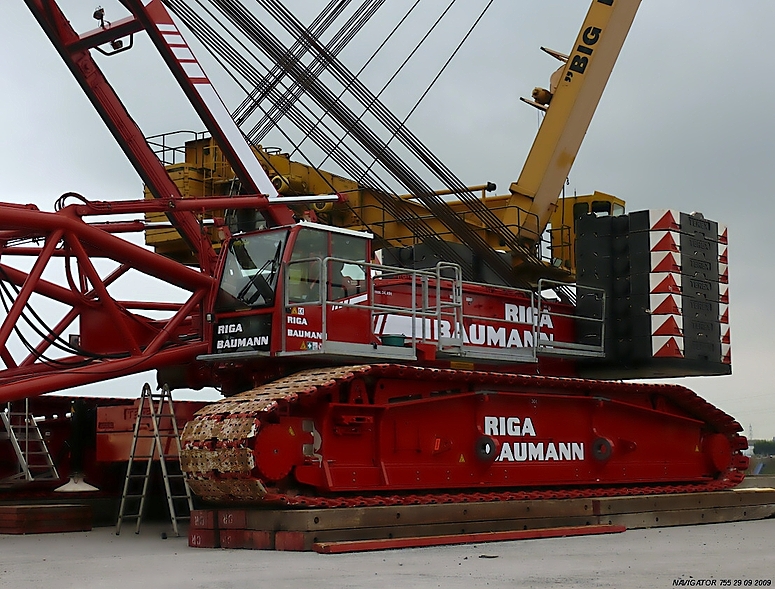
[685, 123]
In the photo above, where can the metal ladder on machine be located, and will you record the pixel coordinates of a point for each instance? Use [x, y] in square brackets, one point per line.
[31, 451]
[153, 409]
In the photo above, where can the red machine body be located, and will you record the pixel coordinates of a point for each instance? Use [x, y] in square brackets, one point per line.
[309, 294]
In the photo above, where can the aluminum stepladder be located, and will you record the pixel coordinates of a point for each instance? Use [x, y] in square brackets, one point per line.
[31, 451]
[155, 410]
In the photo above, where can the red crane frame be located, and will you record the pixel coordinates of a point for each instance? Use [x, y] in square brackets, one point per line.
[129, 341]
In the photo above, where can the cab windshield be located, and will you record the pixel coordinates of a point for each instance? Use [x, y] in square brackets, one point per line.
[251, 270]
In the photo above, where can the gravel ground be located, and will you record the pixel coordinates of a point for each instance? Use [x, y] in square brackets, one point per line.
[740, 553]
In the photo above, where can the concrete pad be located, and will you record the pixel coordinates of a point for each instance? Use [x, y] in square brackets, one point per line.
[649, 558]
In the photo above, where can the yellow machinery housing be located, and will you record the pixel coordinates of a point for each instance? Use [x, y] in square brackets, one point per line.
[517, 221]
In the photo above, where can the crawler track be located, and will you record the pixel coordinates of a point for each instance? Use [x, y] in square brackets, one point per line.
[220, 462]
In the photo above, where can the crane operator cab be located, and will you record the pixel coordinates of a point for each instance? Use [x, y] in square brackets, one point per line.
[277, 285]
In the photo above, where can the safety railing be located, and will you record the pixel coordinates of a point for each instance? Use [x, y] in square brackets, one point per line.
[414, 309]
[588, 318]
[409, 307]
[170, 148]
[472, 346]
[513, 221]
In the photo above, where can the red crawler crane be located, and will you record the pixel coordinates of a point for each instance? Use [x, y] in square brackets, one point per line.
[348, 378]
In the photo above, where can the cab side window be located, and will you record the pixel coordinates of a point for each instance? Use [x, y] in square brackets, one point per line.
[304, 269]
[347, 279]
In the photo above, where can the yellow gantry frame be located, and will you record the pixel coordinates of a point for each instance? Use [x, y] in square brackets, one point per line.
[573, 103]
[569, 104]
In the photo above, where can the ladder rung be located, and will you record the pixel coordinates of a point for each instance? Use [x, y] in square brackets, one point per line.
[163, 425]
[30, 447]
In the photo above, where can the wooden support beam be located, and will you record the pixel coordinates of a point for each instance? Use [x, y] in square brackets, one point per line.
[451, 539]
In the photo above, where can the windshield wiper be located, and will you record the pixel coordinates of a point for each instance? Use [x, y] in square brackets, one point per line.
[262, 285]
